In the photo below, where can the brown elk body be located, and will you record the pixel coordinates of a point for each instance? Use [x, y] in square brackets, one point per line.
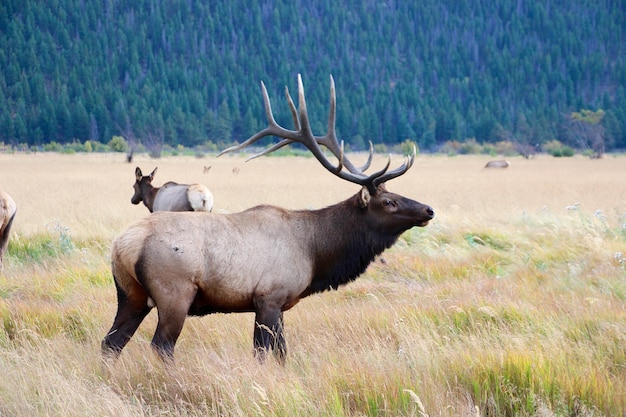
[497, 164]
[8, 208]
[262, 260]
[170, 196]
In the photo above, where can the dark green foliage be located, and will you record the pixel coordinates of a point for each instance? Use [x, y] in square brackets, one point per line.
[557, 149]
[187, 72]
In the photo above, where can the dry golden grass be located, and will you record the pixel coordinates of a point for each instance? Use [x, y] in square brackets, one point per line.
[508, 303]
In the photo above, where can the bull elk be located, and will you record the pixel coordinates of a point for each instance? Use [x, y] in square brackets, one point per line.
[170, 196]
[8, 209]
[262, 260]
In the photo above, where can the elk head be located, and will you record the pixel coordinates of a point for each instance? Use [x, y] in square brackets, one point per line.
[142, 185]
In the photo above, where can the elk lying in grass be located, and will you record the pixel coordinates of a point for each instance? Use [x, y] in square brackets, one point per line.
[501, 163]
[170, 196]
[262, 260]
[7, 214]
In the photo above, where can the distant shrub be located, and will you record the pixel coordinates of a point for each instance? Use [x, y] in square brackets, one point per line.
[98, 146]
[118, 144]
[489, 149]
[557, 149]
[469, 146]
[68, 150]
[52, 147]
[406, 147]
[565, 151]
[210, 146]
[74, 146]
[506, 148]
[451, 147]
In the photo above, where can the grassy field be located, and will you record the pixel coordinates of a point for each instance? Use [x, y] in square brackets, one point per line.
[512, 302]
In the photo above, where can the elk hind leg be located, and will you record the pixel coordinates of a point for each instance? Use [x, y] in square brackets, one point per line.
[131, 310]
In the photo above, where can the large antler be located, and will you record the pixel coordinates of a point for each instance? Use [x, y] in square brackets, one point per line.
[304, 135]
[329, 140]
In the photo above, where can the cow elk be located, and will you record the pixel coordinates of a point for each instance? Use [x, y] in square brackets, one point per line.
[262, 260]
[170, 196]
[7, 214]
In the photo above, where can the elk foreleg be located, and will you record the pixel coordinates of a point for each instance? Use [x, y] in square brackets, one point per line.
[4, 238]
[268, 334]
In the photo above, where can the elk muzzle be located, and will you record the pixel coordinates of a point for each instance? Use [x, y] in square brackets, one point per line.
[426, 215]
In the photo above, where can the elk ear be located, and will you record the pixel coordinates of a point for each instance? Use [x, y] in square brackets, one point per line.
[364, 197]
[152, 173]
[138, 174]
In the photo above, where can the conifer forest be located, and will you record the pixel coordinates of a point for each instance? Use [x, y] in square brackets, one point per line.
[188, 72]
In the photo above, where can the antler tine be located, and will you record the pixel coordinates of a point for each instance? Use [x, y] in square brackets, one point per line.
[386, 176]
[268, 131]
[292, 107]
[271, 149]
[248, 141]
[305, 126]
[332, 111]
[284, 142]
[308, 139]
[367, 163]
[330, 139]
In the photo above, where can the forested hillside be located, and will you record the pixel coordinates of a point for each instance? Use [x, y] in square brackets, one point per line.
[188, 72]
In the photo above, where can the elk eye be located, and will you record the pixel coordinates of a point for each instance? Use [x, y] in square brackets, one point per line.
[387, 202]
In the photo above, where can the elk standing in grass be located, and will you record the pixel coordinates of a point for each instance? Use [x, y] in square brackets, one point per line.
[170, 196]
[262, 260]
[7, 214]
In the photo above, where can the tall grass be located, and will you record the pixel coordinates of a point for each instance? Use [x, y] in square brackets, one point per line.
[512, 302]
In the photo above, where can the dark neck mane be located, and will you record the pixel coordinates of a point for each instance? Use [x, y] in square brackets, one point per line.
[345, 245]
[148, 193]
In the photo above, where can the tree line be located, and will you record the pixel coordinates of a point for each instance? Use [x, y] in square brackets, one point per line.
[187, 72]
